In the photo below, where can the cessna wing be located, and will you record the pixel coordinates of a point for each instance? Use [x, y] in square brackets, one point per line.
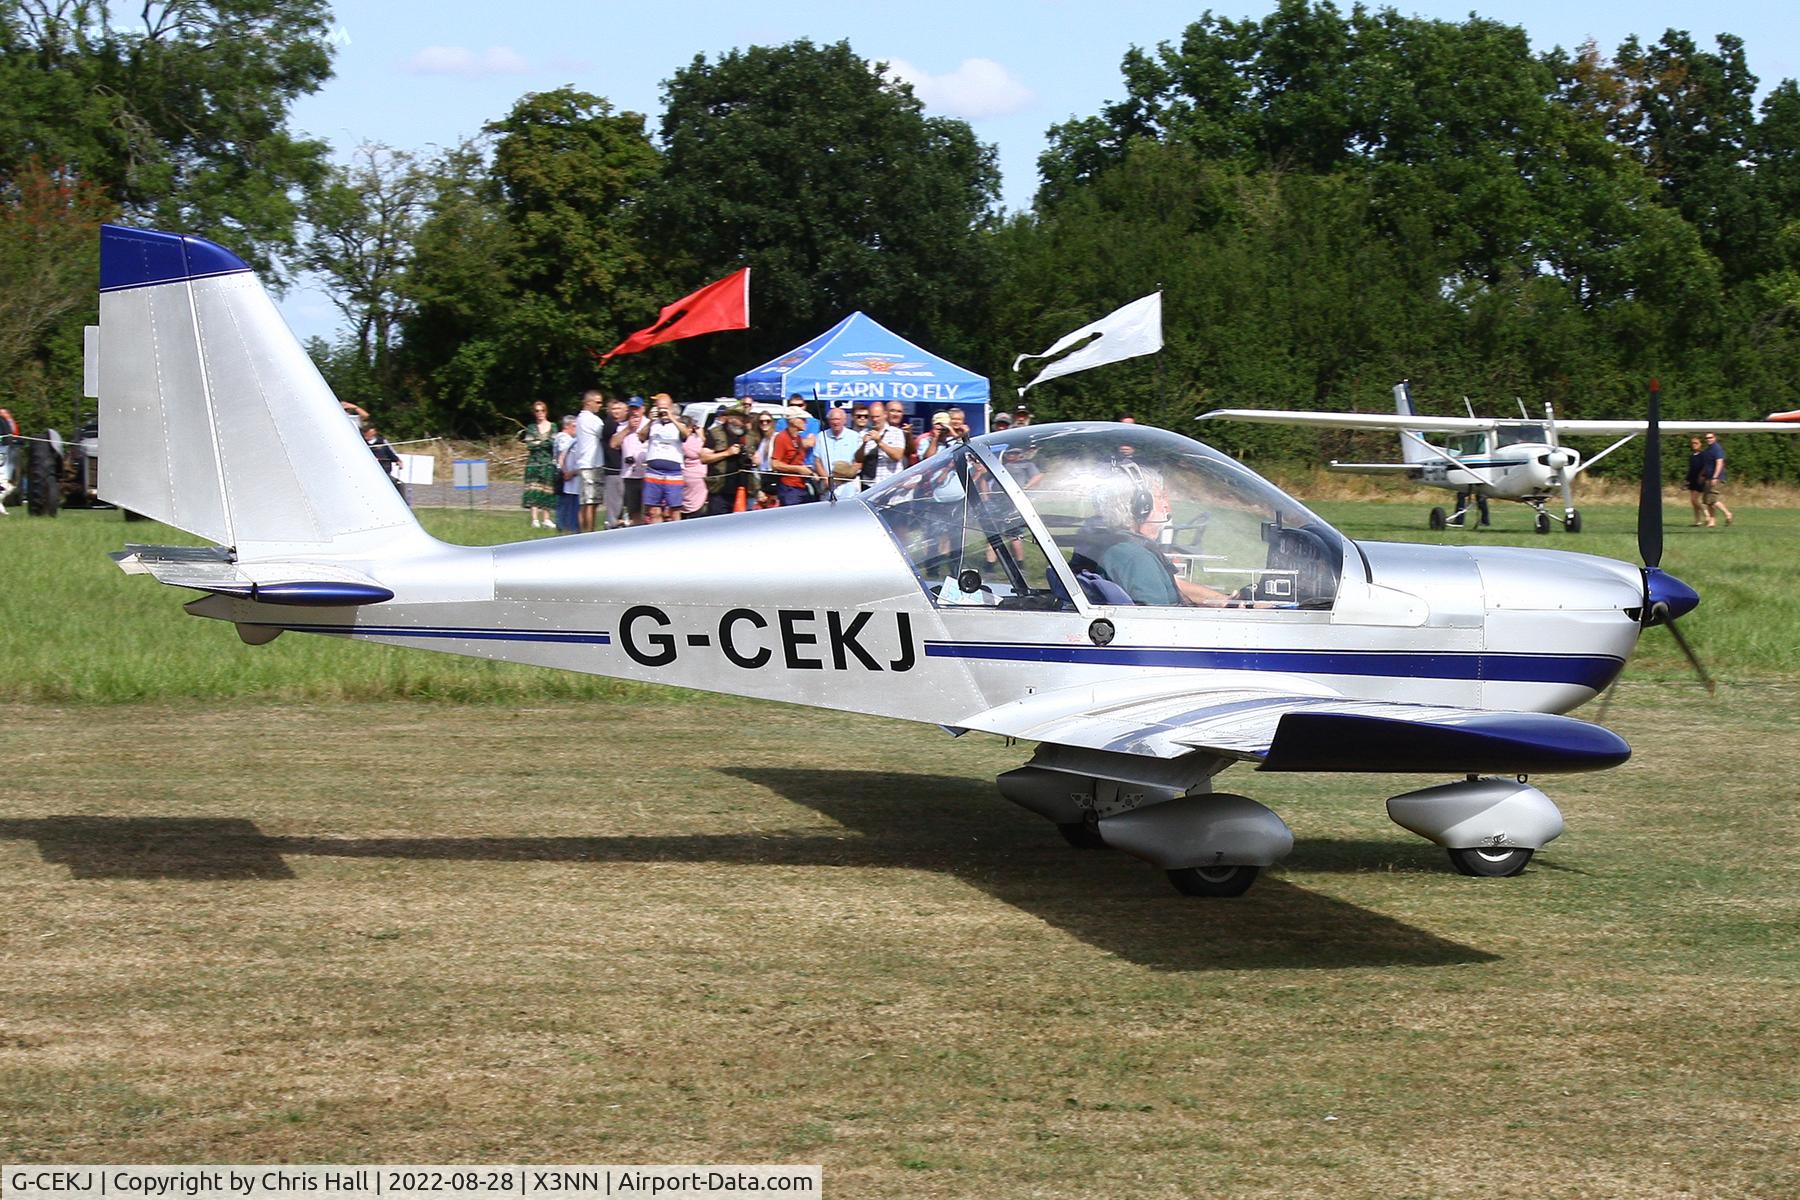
[1389, 422]
[1623, 427]
[1292, 732]
[1397, 423]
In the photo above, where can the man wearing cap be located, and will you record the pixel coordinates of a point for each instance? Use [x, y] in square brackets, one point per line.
[1021, 417]
[792, 462]
[730, 450]
[1002, 421]
[797, 404]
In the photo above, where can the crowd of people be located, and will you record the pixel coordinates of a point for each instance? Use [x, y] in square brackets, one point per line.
[631, 461]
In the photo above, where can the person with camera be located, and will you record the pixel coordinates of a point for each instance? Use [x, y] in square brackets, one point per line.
[792, 462]
[665, 484]
[882, 449]
[631, 441]
[729, 455]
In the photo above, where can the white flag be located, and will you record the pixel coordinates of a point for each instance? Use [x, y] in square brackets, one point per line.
[1133, 330]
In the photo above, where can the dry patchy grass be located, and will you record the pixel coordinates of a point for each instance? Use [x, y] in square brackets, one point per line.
[698, 932]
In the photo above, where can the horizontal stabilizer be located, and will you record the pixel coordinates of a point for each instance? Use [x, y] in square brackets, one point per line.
[1408, 469]
[309, 585]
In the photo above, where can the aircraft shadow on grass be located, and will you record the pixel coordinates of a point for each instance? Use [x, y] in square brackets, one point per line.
[907, 822]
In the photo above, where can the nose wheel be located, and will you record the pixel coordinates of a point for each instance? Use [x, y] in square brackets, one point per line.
[1213, 881]
[1495, 862]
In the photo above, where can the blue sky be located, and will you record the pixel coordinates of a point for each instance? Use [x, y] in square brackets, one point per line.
[416, 75]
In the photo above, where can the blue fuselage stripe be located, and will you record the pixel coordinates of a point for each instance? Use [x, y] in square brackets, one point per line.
[1588, 670]
[574, 636]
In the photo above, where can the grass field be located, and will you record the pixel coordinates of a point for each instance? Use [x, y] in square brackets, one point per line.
[304, 908]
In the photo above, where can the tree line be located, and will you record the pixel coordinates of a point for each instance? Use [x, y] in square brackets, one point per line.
[1330, 202]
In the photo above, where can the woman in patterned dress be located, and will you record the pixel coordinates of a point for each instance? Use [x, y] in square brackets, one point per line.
[541, 476]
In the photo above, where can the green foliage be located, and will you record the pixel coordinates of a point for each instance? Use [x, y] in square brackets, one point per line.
[49, 259]
[808, 164]
[180, 117]
[1334, 202]
[363, 222]
[524, 265]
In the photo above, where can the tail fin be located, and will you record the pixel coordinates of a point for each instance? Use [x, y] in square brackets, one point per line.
[1410, 449]
[215, 421]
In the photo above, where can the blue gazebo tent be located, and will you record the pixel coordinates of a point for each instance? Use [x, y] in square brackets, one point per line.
[859, 361]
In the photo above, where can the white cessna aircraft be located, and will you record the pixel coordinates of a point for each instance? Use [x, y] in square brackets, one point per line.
[1145, 610]
[1489, 458]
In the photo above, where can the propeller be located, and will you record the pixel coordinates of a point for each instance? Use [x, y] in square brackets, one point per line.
[1665, 597]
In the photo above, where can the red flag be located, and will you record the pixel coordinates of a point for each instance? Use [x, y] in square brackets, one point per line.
[715, 307]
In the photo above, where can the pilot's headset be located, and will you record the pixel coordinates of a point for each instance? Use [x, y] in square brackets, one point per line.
[1141, 500]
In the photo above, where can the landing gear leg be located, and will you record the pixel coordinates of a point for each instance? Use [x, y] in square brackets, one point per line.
[1083, 835]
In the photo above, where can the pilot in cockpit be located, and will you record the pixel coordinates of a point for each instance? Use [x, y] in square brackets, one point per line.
[1121, 542]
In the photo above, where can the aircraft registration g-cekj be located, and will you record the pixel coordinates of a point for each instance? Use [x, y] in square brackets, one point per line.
[1144, 609]
[1489, 458]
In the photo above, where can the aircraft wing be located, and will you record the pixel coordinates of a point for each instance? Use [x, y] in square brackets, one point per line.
[1619, 427]
[1391, 422]
[1289, 732]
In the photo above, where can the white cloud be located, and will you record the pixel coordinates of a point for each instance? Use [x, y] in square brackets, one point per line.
[978, 88]
[460, 60]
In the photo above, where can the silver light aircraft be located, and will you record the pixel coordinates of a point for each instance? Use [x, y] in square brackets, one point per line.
[1489, 458]
[1145, 610]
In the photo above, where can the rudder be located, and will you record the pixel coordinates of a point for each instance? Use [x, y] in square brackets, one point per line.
[213, 417]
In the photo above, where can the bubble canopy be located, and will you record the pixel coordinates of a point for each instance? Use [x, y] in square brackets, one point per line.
[1121, 514]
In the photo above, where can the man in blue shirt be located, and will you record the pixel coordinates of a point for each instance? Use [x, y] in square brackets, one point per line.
[834, 455]
[1712, 478]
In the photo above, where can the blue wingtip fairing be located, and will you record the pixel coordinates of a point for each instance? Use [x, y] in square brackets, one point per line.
[325, 594]
[131, 258]
[1498, 743]
[1662, 588]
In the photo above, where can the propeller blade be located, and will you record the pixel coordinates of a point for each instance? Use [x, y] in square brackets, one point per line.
[1693, 659]
[1606, 699]
[1650, 530]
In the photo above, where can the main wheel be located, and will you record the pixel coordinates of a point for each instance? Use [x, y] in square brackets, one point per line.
[1213, 881]
[1438, 519]
[1573, 524]
[44, 496]
[1490, 861]
[1543, 522]
[1082, 835]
